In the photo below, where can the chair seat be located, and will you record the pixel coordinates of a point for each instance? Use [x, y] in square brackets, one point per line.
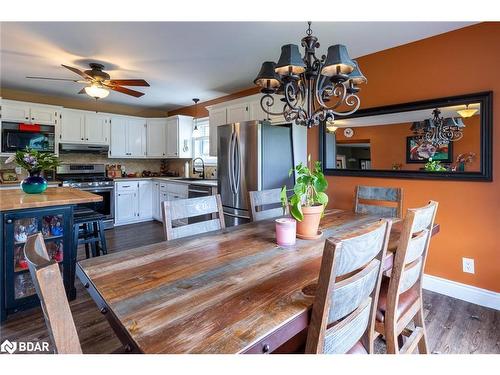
[87, 216]
[358, 348]
[406, 300]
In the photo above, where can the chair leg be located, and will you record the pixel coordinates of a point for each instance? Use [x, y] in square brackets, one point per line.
[102, 238]
[76, 230]
[90, 231]
[423, 347]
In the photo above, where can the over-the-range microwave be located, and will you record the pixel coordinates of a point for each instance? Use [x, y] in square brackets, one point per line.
[16, 136]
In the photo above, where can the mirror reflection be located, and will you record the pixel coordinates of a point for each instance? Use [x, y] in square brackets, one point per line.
[439, 139]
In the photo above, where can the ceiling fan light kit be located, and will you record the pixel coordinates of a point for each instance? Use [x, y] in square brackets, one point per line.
[313, 89]
[100, 82]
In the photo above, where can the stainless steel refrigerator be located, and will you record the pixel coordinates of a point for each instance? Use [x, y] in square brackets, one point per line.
[251, 156]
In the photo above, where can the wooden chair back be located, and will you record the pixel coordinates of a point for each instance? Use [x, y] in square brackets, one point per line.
[50, 289]
[260, 202]
[382, 201]
[344, 311]
[410, 257]
[192, 207]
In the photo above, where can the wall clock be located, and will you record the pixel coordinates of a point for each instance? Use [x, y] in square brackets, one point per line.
[348, 132]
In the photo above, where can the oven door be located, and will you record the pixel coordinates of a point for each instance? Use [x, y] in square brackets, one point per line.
[105, 207]
[41, 138]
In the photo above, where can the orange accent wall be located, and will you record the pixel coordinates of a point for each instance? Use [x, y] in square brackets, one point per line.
[469, 212]
[388, 144]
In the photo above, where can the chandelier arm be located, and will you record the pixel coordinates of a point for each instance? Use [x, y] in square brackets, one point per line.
[352, 100]
[339, 91]
[269, 103]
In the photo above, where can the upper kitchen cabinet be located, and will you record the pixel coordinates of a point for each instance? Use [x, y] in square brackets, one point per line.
[128, 137]
[179, 136]
[238, 113]
[24, 112]
[84, 127]
[156, 137]
[216, 117]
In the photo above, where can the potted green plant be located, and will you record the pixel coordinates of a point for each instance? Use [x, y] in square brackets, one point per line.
[434, 166]
[34, 162]
[309, 199]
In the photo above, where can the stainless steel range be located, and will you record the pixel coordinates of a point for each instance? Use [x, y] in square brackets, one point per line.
[91, 178]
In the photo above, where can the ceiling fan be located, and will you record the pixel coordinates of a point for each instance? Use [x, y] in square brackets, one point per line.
[99, 82]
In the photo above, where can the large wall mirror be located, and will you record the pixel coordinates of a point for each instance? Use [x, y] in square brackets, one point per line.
[446, 138]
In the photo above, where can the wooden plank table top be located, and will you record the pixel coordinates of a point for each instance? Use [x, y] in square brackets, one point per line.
[229, 291]
[53, 196]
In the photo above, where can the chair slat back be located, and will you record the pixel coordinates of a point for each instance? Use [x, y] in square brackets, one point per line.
[368, 199]
[188, 208]
[411, 254]
[344, 311]
[50, 289]
[260, 199]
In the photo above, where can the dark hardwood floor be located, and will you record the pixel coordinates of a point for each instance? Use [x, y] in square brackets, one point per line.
[453, 326]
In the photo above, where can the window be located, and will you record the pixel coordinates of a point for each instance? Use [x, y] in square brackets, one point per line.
[201, 142]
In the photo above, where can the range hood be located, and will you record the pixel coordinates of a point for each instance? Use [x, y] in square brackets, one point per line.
[73, 147]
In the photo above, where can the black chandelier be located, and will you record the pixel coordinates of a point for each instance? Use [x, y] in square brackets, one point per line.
[438, 130]
[313, 89]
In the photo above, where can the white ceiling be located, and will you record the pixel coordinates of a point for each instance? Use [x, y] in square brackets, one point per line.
[180, 60]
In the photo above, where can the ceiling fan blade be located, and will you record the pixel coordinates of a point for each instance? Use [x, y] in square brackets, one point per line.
[128, 82]
[82, 91]
[78, 71]
[54, 79]
[124, 90]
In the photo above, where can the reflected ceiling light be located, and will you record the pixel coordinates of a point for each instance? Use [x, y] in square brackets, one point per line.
[196, 131]
[331, 127]
[96, 91]
[308, 83]
[465, 113]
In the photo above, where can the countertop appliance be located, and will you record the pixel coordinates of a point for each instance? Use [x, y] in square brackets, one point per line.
[251, 156]
[17, 136]
[91, 178]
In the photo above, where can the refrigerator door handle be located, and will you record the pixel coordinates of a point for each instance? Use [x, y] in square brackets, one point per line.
[230, 162]
[237, 158]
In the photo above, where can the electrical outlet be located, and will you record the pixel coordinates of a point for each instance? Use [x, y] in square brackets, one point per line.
[468, 265]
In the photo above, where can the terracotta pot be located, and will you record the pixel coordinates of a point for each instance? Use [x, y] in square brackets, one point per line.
[309, 226]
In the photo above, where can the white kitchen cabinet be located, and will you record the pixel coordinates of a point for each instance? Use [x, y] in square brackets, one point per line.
[156, 137]
[126, 207]
[256, 112]
[238, 113]
[179, 137]
[84, 127]
[156, 201]
[128, 137]
[216, 117]
[72, 126]
[145, 200]
[163, 196]
[24, 112]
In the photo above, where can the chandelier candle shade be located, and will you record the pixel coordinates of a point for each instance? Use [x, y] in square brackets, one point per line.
[312, 89]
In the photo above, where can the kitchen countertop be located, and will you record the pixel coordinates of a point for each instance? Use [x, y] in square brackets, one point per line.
[16, 185]
[180, 180]
[16, 199]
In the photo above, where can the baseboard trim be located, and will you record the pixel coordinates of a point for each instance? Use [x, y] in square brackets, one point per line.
[461, 291]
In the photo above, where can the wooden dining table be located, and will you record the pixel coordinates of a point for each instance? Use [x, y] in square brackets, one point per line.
[229, 291]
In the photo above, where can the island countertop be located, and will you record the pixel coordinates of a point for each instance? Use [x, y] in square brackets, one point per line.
[53, 196]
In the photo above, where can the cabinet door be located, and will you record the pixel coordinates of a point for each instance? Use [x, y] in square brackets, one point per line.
[216, 118]
[156, 201]
[118, 141]
[173, 137]
[43, 115]
[163, 197]
[126, 206]
[237, 113]
[72, 126]
[145, 199]
[256, 112]
[156, 137]
[95, 128]
[16, 112]
[136, 137]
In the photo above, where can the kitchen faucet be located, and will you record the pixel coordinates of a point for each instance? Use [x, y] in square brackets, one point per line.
[202, 166]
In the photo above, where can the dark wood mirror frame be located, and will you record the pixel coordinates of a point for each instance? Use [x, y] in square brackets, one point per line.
[486, 154]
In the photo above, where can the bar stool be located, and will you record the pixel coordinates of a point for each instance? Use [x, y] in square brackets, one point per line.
[88, 229]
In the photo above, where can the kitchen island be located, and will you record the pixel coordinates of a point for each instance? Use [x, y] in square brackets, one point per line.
[24, 214]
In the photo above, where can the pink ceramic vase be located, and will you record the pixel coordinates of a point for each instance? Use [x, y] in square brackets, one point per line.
[286, 228]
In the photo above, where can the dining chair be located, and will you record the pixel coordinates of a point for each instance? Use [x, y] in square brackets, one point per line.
[263, 204]
[181, 209]
[343, 313]
[400, 300]
[385, 202]
[49, 286]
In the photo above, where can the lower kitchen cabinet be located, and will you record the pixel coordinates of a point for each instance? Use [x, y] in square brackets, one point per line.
[133, 201]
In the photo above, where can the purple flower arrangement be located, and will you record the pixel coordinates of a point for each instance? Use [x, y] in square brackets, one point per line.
[34, 161]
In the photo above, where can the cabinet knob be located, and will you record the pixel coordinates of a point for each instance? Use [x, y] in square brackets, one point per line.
[265, 348]
[104, 310]
[32, 118]
[26, 118]
[9, 221]
[81, 139]
[86, 285]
